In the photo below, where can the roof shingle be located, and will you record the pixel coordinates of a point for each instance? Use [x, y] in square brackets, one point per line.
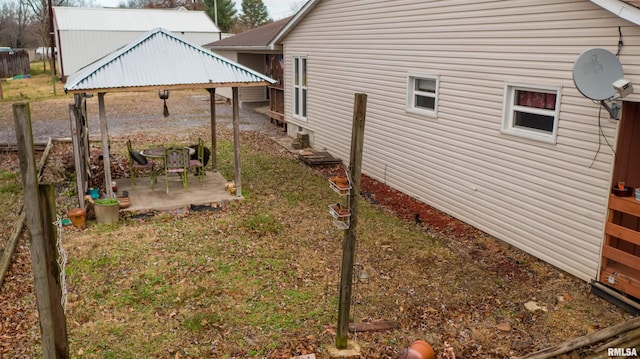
[259, 37]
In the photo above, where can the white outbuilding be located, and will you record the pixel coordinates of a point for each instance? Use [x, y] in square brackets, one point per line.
[84, 35]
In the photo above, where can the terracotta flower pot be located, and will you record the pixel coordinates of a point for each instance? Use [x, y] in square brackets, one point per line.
[77, 216]
[125, 202]
[422, 350]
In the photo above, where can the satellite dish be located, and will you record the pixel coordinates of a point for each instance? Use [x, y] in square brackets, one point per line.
[594, 73]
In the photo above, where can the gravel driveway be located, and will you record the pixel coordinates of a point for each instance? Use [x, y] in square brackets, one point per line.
[130, 113]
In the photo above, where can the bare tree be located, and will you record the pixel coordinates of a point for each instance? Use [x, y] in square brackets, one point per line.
[134, 4]
[164, 4]
[39, 13]
[14, 22]
[8, 28]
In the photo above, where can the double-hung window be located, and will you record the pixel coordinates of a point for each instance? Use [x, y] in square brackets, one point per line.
[300, 87]
[531, 112]
[422, 94]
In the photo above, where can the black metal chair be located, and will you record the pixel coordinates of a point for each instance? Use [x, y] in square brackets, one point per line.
[198, 163]
[140, 164]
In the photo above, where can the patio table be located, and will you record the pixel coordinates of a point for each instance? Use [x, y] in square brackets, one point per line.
[158, 152]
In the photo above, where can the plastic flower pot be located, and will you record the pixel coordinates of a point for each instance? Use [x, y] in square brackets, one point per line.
[107, 210]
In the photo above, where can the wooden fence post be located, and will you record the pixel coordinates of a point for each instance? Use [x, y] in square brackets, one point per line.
[50, 312]
[349, 242]
[47, 198]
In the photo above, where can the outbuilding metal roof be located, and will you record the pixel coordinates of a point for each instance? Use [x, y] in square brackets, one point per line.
[99, 19]
[160, 59]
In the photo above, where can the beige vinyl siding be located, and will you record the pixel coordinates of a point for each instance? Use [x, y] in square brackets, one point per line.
[227, 91]
[547, 199]
[255, 62]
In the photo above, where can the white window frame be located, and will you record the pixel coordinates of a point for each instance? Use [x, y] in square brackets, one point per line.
[412, 93]
[510, 108]
[300, 89]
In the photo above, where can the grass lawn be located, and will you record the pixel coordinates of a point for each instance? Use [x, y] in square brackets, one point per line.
[242, 282]
[260, 277]
[38, 87]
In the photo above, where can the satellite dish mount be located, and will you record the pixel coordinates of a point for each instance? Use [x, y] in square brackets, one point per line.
[598, 75]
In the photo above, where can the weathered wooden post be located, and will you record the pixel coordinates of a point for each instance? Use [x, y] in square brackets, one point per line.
[77, 157]
[236, 142]
[349, 242]
[106, 151]
[47, 199]
[214, 140]
[43, 257]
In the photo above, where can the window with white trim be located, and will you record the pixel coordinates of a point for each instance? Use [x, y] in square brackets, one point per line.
[300, 87]
[422, 94]
[531, 112]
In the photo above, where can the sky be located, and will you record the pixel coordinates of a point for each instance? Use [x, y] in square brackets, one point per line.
[278, 9]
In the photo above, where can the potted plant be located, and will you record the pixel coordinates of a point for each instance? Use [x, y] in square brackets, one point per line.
[107, 210]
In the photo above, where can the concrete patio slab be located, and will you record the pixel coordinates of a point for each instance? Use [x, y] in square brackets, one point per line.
[144, 199]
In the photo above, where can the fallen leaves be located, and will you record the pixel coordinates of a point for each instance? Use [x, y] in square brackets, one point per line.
[446, 280]
[18, 312]
[505, 327]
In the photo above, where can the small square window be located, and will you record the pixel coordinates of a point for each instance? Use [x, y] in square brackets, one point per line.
[531, 112]
[422, 94]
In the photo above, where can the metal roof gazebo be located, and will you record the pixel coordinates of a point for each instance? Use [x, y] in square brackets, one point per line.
[157, 61]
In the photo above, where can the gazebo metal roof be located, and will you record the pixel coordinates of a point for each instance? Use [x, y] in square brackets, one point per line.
[161, 60]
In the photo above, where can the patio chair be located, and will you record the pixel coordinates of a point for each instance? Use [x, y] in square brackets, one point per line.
[197, 163]
[139, 163]
[176, 161]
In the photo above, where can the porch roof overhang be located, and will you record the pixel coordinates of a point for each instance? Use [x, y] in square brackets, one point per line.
[276, 48]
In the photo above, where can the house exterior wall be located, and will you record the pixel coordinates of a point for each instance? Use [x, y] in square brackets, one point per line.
[81, 47]
[548, 199]
[255, 62]
[227, 91]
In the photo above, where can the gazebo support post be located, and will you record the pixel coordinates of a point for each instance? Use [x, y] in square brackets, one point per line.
[106, 159]
[236, 142]
[74, 111]
[214, 142]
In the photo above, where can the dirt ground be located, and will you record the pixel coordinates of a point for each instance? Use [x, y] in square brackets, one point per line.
[534, 279]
